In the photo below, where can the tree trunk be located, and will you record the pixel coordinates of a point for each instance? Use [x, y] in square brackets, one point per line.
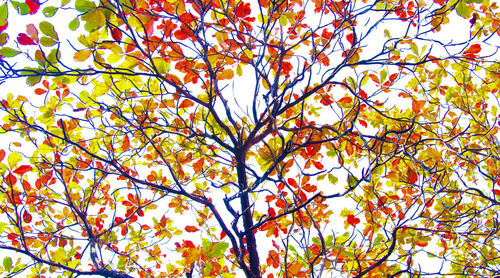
[251, 244]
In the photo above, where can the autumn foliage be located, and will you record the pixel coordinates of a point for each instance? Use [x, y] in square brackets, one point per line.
[269, 138]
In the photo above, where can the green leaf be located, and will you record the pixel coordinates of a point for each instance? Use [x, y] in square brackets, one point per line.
[3, 13]
[74, 24]
[64, 2]
[48, 29]
[49, 11]
[46, 41]
[383, 75]
[333, 179]
[33, 80]
[461, 9]
[94, 20]
[84, 5]
[219, 249]
[3, 38]
[8, 52]
[21, 8]
[7, 263]
[206, 244]
[414, 48]
[352, 181]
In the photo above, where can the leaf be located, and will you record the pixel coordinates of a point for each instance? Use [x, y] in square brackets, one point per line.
[186, 103]
[116, 33]
[73, 25]
[292, 183]
[48, 29]
[21, 8]
[21, 170]
[49, 11]
[191, 229]
[47, 42]
[411, 176]
[13, 159]
[24, 39]
[8, 52]
[82, 55]
[416, 105]
[333, 179]
[32, 32]
[7, 264]
[84, 5]
[473, 49]
[461, 9]
[3, 13]
[218, 249]
[94, 20]
[126, 143]
[33, 6]
[353, 220]
[2, 154]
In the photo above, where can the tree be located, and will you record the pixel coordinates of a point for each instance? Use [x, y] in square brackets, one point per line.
[270, 138]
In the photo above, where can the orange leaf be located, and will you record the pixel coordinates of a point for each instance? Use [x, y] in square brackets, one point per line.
[2, 154]
[10, 179]
[191, 229]
[40, 91]
[345, 100]
[421, 243]
[186, 103]
[126, 143]
[198, 166]
[317, 164]
[309, 188]
[23, 169]
[411, 175]
[417, 105]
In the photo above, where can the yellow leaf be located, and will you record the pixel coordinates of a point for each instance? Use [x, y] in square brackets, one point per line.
[239, 71]
[13, 159]
[82, 55]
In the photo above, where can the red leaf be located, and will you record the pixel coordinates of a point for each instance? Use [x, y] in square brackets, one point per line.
[3, 27]
[496, 191]
[116, 33]
[24, 39]
[191, 229]
[352, 220]
[243, 10]
[363, 94]
[345, 100]
[473, 49]
[33, 5]
[2, 154]
[26, 217]
[411, 175]
[363, 123]
[180, 35]
[350, 38]
[292, 183]
[23, 169]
